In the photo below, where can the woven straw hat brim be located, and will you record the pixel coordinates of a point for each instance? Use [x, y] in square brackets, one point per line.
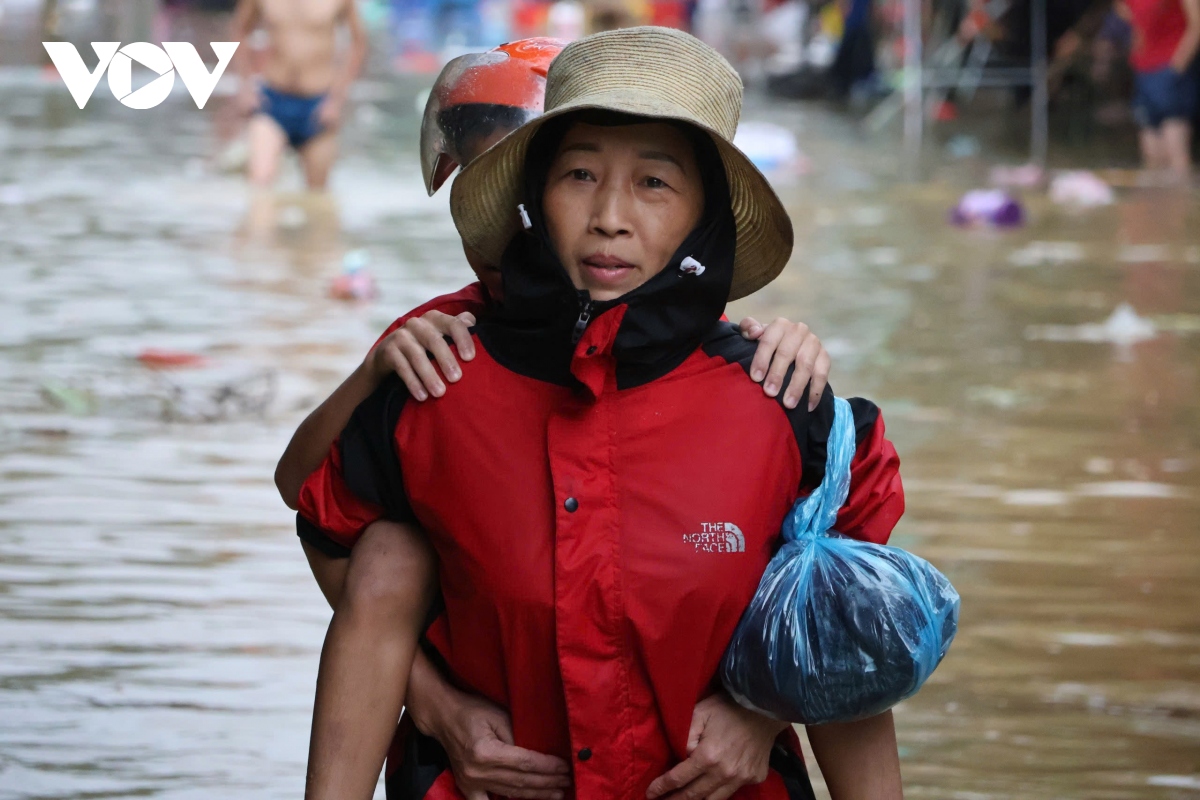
[484, 197]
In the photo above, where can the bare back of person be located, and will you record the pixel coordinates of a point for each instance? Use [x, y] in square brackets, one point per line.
[303, 33]
[304, 83]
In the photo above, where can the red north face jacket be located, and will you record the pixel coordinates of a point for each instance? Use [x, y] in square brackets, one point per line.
[602, 508]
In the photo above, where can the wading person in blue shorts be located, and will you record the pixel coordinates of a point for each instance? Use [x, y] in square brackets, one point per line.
[301, 97]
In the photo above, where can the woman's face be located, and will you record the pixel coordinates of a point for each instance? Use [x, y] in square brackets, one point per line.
[619, 202]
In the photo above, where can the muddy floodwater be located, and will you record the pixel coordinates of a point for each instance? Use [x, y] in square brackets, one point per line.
[159, 631]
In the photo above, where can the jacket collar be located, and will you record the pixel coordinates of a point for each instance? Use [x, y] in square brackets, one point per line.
[548, 329]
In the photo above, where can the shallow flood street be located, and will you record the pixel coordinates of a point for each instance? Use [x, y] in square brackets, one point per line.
[159, 630]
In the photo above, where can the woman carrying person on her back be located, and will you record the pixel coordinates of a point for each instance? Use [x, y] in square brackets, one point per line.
[596, 549]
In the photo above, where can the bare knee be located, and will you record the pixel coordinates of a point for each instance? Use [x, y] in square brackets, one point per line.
[266, 143]
[392, 574]
[317, 158]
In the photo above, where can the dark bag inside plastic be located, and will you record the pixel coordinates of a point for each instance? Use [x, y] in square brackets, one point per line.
[839, 629]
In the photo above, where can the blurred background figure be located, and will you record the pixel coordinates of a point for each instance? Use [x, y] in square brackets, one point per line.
[300, 97]
[1166, 34]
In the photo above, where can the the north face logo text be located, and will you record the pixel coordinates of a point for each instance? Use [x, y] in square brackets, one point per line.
[717, 537]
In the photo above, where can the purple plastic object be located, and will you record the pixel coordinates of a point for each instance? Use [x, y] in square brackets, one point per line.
[991, 207]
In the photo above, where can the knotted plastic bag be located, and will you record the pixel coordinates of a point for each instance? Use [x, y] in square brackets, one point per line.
[839, 629]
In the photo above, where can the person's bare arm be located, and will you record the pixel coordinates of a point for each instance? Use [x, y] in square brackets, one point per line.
[246, 18]
[330, 112]
[1186, 50]
[368, 655]
[859, 760]
[312, 440]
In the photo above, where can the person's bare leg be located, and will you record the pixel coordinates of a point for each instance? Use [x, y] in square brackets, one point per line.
[317, 156]
[1152, 149]
[1177, 147]
[330, 573]
[366, 661]
[266, 141]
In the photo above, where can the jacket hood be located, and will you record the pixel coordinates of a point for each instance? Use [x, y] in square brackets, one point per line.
[649, 330]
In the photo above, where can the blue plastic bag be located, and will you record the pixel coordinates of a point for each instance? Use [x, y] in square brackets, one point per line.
[839, 629]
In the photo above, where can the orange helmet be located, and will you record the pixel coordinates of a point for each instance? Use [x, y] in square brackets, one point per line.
[480, 98]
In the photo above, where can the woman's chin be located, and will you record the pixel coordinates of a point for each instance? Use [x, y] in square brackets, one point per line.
[602, 294]
[608, 284]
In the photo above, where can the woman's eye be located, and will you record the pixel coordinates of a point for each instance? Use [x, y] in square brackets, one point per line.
[581, 174]
[655, 183]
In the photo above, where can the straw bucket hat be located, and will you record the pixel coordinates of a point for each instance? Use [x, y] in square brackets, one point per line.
[652, 72]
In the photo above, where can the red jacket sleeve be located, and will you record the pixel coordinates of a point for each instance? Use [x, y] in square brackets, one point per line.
[328, 505]
[876, 500]
[360, 480]
[473, 297]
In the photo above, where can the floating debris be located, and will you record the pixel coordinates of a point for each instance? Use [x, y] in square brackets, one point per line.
[231, 398]
[988, 207]
[1175, 781]
[356, 281]
[1035, 497]
[1026, 176]
[1036, 254]
[67, 398]
[1131, 489]
[156, 358]
[1123, 327]
[1081, 189]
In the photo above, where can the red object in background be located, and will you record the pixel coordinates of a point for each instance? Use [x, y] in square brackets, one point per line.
[155, 358]
[670, 14]
[529, 18]
[945, 111]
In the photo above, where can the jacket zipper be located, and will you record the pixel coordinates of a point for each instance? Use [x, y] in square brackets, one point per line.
[585, 316]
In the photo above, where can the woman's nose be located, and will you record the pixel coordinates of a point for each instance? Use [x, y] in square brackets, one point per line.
[612, 210]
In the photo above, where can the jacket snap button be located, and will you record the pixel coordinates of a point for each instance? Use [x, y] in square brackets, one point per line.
[585, 754]
[571, 504]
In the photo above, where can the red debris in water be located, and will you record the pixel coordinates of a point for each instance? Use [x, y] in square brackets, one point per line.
[155, 358]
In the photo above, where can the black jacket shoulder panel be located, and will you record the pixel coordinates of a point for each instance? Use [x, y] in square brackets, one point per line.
[370, 464]
[811, 429]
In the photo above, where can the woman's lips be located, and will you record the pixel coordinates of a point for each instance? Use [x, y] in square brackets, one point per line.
[605, 269]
